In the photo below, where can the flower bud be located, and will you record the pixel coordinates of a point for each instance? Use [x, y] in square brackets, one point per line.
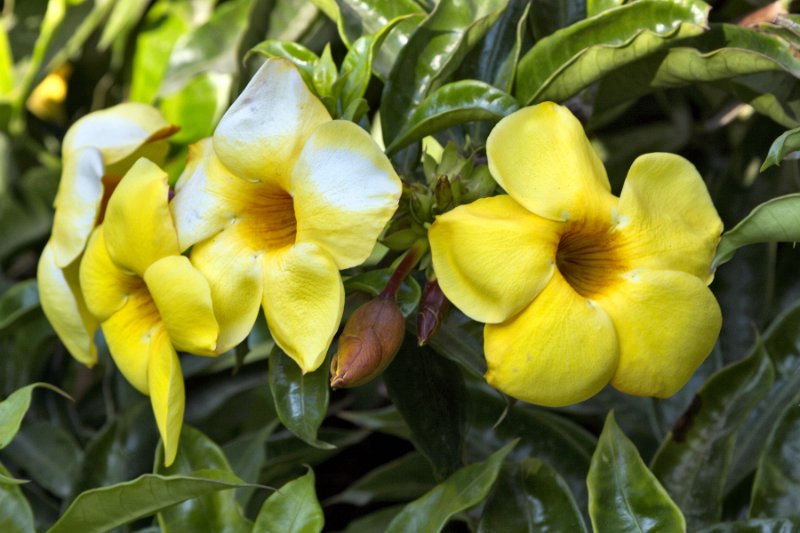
[432, 310]
[370, 340]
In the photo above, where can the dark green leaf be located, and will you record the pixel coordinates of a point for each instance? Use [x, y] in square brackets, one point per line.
[403, 479]
[247, 455]
[212, 512]
[530, 496]
[453, 104]
[105, 460]
[432, 54]
[18, 300]
[374, 281]
[293, 508]
[692, 463]
[387, 420]
[15, 511]
[769, 525]
[462, 490]
[783, 146]
[376, 522]
[624, 496]
[776, 220]
[13, 409]
[548, 16]
[570, 59]
[300, 399]
[460, 339]
[99, 510]
[429, 392]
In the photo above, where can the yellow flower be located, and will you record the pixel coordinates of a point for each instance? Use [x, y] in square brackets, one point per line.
[275, 204]
[577, 287]
[98, 149]
[147, 296]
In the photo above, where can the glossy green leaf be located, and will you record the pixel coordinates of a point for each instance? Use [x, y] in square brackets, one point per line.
[293, 508]
[105, 460]
[595, 7]
[429, 392]
[13, 409]
[213, 512]
[431, 55]
[300, 399]
[103, 509]
[768, 525]
[784, 145]
[462, 490]
[776, 220]
[692, 463]
[374, 281]
[547, 16]
[624, 495]
[777, 483]
[16, 515]
[403, 479]
[452, 104]
[247, 456]
[530, 496]
[570, 59]
[18, 300]
[366, 17]
[304, 59]
[197, 106]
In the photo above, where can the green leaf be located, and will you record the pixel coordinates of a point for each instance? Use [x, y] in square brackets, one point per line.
[13, 409]
[212, 512]
[293, 508]
[360, 17]
[692, 463]
[429, 392]
[776, 220]
[623, 494]
[570, 59]
[595, 7]
[386, 420]
[247, 455]
[124, 16]
[17, 301]
[769, 525]
[431, 55]
[462, 490]
[460, 339]
[105, 458]
[325, 74]
[15, 511]
[304, 59]
[103, 509]
[300, 399]
[376, 522]
[374, 281]
[547, 16]
[784, 145]
[403, 479]
[197, 106]
[530, 496]
[776, 487]
[452, 104]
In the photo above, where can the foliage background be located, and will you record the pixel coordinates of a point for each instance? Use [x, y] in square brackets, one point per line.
[423, 447]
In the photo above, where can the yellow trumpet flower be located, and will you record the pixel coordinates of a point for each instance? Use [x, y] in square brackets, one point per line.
[577, 287]
[275, 204]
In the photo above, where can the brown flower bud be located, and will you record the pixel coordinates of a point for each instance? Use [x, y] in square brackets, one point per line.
[432, 310]
[370, 340]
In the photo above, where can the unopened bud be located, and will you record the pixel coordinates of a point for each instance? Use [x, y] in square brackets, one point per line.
[443, 195]
[432, 310]
[370, 340]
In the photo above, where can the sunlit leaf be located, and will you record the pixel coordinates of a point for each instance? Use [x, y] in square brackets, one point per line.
[13, 409]
[293, 508]
[15, 511]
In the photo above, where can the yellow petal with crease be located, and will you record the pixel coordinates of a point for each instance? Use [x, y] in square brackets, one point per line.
[63, 304]
[303, 302]
[118, 131]
[542, 158]
[667, 217]
[167, 394]
[138, 226]
[345, 190]
[106, 287]
[260, 136]
[129, 333]
[183, 299]
[667, 323]
[560, 350]
[77, 204]
[233, 270]
[492, 257]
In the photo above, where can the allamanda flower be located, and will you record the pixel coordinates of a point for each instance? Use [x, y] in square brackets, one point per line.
[148, 298]
[275, 204]
[97, 151]
[577, 287]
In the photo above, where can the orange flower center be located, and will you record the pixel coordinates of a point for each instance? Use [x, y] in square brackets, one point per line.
[270, 218]
[589, 258]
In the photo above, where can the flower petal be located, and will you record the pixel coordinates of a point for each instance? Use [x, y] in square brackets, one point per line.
[106, 287]
[207, 196]
[667, 323]
[667, 216]
[138, 226]
[63, 305]
[118, 131]
[492, 257]
[561, 350]
[303, 302]
[183, 299]
[167, 395]
[262, 133]
[233, 271]
[129, 333]
[542, 158]
[345, 191]
[77, 204]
